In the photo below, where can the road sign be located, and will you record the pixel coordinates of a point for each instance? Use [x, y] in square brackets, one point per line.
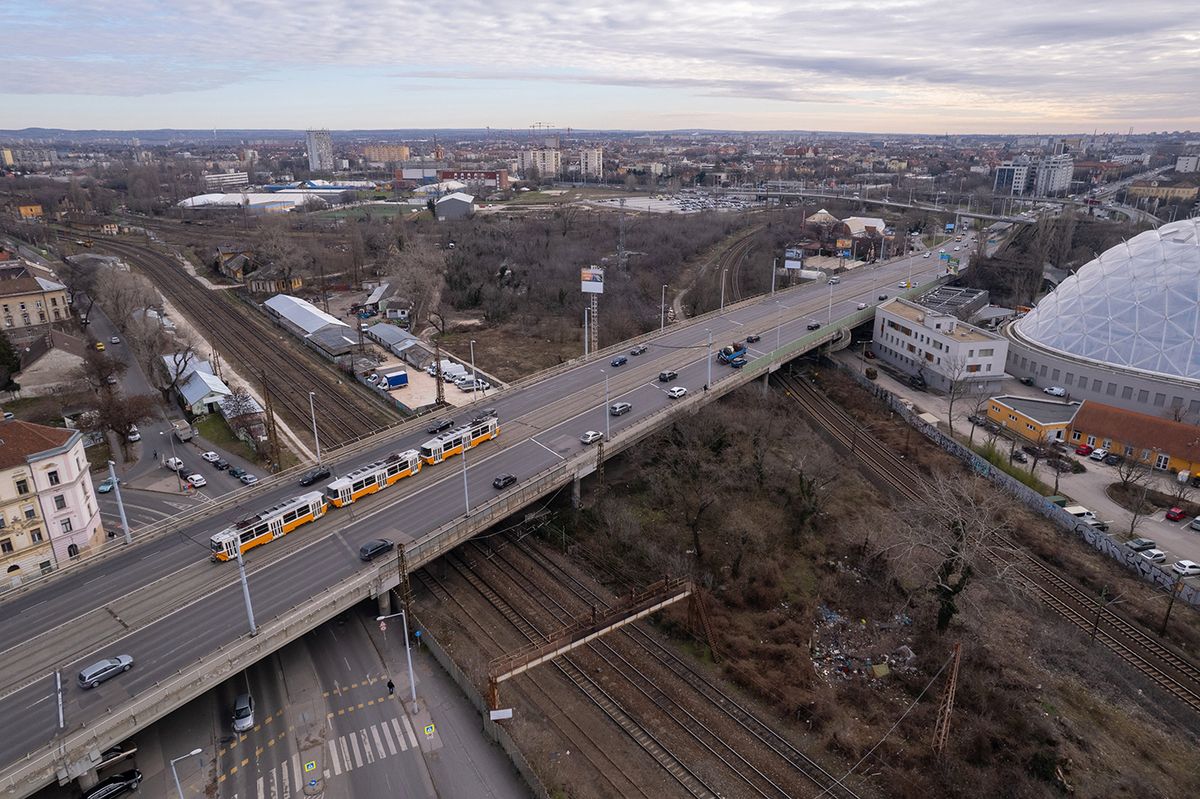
[500, 715]
[945, 256]
[429, 729]
[310, 765]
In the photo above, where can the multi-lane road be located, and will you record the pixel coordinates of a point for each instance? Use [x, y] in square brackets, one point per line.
[165, 604]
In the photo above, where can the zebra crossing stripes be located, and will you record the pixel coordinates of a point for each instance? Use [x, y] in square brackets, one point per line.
[368, 745]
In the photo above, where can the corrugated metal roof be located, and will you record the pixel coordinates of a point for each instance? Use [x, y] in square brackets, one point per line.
[301, 313]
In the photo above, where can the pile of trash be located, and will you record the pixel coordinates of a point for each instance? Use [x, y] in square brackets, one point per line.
[849, 649]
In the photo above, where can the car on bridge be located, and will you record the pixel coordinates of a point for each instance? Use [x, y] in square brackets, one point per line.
[504, 480]
[313, 475]
[814, 325]
[101, 670]
[753, 338]
[439, 425]
[374, 548]
[639, 349]
[620, 360]
[590, 437]
[620, 408]
[677, 392]
[667, 375]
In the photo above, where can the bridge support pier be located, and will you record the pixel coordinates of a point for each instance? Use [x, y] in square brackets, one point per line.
[766, 382]
[385, 602]
[576, 495]
[88, 779]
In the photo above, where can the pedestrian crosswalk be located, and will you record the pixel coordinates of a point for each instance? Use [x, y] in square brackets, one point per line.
[353, 750]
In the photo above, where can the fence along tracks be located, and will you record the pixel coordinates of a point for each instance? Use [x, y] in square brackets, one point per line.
[1173, 673]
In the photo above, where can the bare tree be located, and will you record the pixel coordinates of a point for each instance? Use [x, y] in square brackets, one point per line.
[1180, 491]
[122, 293]
[174, 366]
[979, 404]
[949, 533]
[100, 371]
[416, 272]
[956, 369]
[241, 410]
[117, 414]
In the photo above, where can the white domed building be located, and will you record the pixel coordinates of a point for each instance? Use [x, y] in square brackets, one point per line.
[1124, 330]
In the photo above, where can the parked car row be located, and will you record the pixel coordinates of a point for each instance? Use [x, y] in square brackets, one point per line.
[1149, 550]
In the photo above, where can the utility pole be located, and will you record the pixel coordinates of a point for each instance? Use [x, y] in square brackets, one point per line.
[622, 256]
[941, 730]
[272, 432]
[595, 328]
[437, 353]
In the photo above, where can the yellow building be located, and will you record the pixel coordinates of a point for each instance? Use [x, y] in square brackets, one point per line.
[1162, 190]
[387, 153]
[1039, 420]
[29, 211]
[6, 157]
[1157, 442]
[27, 300]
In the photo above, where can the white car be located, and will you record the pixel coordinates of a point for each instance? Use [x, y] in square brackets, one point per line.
[926, 255]
[211, 457]
[677, 392]
[134, 433]
[1098, 454]
[197, 480]
[590, 437]
[1154, 555]
[1055, 391]
[115, 340]
[862, 306]
[1186, 568]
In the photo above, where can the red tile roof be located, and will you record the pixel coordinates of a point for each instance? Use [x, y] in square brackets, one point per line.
[1139, 430]
[19, 440]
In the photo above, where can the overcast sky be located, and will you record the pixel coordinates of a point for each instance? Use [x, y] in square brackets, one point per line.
[957, 66]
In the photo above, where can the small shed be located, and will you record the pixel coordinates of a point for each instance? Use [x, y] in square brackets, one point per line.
[455, 206]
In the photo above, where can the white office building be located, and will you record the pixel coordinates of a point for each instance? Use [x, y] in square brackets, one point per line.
[591, 162]
[547, 163]
[226, 180]
[1187, 163]
[320, 150]
[937, 347]
[1052, 175]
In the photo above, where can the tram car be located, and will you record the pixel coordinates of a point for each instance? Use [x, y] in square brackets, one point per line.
[371, 478]
[267, 525]
[454, 442]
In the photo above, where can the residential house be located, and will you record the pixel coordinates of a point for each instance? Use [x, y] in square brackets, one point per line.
[29, 300]
[48, 508]
[49, 363]
[937, 348]
[1153, 440]
[202, 392]
[31, 211]
[273, 280]
[1039, 420]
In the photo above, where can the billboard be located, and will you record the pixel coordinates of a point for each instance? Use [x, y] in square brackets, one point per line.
[592, 280]
[949, 227]
[844, 244]
[793, 258]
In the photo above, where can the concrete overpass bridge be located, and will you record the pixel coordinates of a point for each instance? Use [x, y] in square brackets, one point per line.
[182, 618]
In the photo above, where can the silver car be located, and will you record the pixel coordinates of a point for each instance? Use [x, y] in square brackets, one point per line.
[102, 670]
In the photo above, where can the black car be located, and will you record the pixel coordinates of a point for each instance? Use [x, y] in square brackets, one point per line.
[814, 325]
[121, 784]
[639, 349]
[439, 426]
[314, 475]
[975, 419]
[882, 296]
[374, 548]
[221, 465]
[236, 471]
[753, 338]
[738, 363]
[1112, 460]
[620, 360]
[667, 375]
[504, 480]
[1020, 457]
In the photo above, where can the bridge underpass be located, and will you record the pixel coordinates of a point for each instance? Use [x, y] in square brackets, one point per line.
[183, 620]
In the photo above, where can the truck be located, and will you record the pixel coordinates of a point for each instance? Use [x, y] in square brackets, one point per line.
[731, 352]
[183, 429]
[396, 379]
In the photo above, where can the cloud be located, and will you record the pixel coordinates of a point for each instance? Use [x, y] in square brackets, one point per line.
[1031, 59]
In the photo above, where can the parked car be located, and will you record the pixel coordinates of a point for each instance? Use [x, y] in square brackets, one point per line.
[174, 464]
[111, 380]
[619, 408]
[1020, 457]
[313, 475]
[100, 346]
[667, 375]
[374, 548]
[1026, 381]
[1175, 515]
[221, 465]
[134, 433]
[1186, 568]
[372, 379]
[101, 670]
[1083, 449]
[1055, 391]
[590, 437]
[439, 425]
[248, 479]
[753, 338]
[210, 456]
[118, 785]
[1195, 523]
[1113, 459]
[1154, 555]
[115, 340]
[107, 485]
[677, 392]
[620, 360]
[197, 480]
[1140, 544]
[975, 419]
[236, 471]
[1098, 454]
[504, 480]
[639, 349]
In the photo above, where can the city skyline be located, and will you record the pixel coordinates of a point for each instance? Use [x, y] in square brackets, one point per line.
[901, 67]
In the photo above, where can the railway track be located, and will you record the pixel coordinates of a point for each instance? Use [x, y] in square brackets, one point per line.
[751, 727]
[1171, 671]
[733, 259]
[593, 751]
[249, 341]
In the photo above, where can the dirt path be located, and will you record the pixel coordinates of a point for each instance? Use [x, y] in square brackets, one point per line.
[692, 275]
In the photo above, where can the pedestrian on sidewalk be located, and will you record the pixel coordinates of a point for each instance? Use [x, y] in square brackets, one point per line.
[391, 688]
[155, 454]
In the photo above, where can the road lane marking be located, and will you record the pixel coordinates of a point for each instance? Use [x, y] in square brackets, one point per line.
[552, 452]
[378, 741]
[345, 751]
[333, 757]
[358, 761]
[412, 736]
[296, 770]
[399, 735]
[387, 736]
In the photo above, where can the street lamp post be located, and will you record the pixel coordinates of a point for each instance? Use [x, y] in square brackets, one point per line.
[171, 437]
[830, 321]
[662, 322]
[774, 271]
[407, 653]
[312, 410]
[466, 496]
[708, 381]
[778, 323]
[116, 484]
[606, 413]
[474, 374]
[246, 591]
[178, 787]
[723, 271]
